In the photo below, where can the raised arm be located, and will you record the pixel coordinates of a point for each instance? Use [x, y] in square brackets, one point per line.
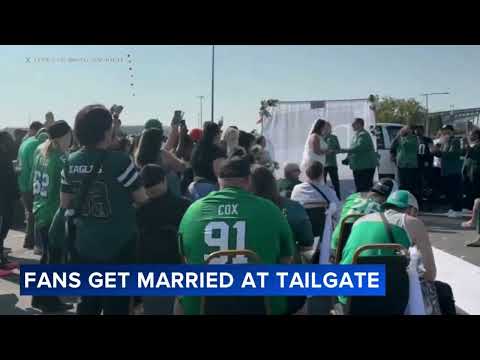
[419, 236]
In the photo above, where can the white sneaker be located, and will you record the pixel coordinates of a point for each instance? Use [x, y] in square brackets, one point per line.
[454, 215]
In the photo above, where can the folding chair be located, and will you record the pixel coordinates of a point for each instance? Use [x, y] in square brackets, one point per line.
[317, 305]
[345, 230]
[396, 296]
[316, 214]
[234, 305]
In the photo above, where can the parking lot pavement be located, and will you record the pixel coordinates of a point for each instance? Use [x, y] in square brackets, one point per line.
[11, 303]
[457, 265]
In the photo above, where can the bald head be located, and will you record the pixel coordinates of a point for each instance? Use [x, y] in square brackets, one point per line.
[291, 171]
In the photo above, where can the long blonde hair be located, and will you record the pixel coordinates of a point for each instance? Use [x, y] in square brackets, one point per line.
[53, 144]
[230, 137]
[48, 146]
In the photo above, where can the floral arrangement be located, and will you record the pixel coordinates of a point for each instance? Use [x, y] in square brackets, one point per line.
[265, 105]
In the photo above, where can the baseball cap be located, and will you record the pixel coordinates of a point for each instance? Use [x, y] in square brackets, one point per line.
[385, 187]
[42, 134]
[402, 199]
[447, 127]
[153, 124]
[196, 134]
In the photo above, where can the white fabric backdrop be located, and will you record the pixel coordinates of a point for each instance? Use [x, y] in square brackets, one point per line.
[287, 130]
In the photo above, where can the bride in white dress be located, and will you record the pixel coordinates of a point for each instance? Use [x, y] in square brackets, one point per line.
[316, 147]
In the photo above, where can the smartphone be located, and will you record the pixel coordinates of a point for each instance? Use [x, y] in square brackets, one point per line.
[177, 117]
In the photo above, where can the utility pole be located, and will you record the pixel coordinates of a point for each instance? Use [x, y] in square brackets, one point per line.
[427, 120]
[201, 97]
[213, 80]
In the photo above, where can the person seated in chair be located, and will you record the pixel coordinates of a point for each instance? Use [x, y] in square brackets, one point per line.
[291, 178]
[364, 203]
[314, 190]
[400, 212]
[234, 219]
[263, 185]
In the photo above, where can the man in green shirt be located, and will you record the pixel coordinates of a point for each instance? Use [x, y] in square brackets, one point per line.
[364, 203]
[450, 151]
[234, 219]
[331, 167]
[404, 151]
[401, 209]
[25, 162]
[292, 173]
[362, 157]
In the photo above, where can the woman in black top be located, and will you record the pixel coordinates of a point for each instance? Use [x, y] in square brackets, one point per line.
[207, 155]
[150, 151]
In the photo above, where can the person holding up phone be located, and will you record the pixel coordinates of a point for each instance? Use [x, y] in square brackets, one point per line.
[207, 158]
[116, 110]
[151, 150]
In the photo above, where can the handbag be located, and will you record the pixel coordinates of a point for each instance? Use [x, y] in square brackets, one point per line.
[316, 255]
[430, 297]
[427, 288]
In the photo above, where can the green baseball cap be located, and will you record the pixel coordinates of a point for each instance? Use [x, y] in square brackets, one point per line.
[402, 199]
[42, 135]
[153, 124]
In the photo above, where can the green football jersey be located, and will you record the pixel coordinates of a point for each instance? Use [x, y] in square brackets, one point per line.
[371, 230]
[107, 222]
[354, 204]
[234, 219]
[25, 160]
[46, 185]
[407, 149]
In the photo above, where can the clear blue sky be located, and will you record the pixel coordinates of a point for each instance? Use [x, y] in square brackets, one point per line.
[167, 78]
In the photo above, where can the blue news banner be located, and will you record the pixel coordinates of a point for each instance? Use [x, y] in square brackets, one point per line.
[203, 280]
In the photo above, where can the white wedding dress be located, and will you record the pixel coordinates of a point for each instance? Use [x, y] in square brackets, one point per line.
[310, 155]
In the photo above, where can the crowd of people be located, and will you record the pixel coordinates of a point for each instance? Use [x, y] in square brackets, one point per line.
[93, 195]
[447, 166]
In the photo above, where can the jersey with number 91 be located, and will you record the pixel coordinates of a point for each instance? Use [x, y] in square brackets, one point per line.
[234, 219]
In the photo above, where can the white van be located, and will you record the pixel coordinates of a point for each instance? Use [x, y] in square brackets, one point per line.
[385, 134]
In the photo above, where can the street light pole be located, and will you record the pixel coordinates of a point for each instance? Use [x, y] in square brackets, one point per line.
[201, 110]
[427, 120]
[213, 79]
